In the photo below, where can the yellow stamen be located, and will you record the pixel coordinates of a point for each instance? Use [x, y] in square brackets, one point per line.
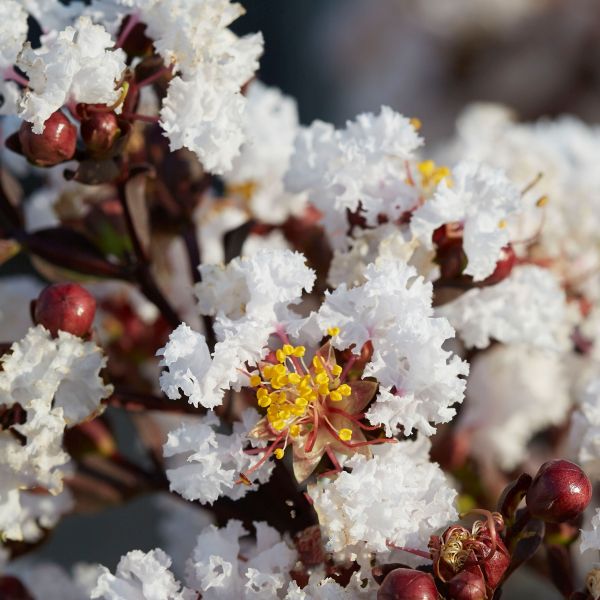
[542, 201]
[295, 430]
[345, 434]
[279, 453]
[502, 223]
[299, 351]
[344, 389]
[333, 331]
[336, 370]
[416, 123]
[255, 380]
[335, 396]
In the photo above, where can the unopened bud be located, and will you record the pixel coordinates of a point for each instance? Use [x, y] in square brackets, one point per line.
[407, 584]
[99, 131]
[65, 307]
[504, 266]
[56, 144]
[559, 492]
[467, 585]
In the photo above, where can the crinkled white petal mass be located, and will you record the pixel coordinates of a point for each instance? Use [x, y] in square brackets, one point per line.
[362, 166]
[13, 31]
[397, 496]
[209, 463]
[221, 568]
[590, 539]
[513, 392]
[76, 64]
[63, 372]
[392, 310]
[270, 126]
[481, 199]
[254, 287]
[204, 107]
[529, 307]
[141, 576]
[585, 430]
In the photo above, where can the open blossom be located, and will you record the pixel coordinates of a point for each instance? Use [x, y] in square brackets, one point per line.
[222, 567]
[529, 307]
[76, 64]
[585, 429]
[204, 108]
[513, 392]
[481, 199]
[209, 463]
[270, 126]
[54, 383]
[13, 33]
[141, 576]
[398, 496]
[393, 312]
[590, 539]
[359, 168]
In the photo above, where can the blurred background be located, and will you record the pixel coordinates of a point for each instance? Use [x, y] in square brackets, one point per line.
[424, 58]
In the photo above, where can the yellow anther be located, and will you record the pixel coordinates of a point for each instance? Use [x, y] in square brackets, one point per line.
[284, 414]
[301, 402]
[288, 349]
[279, 453]
[345, 434]
[333, 331]
[264, 402]
[416, 123]
[280, 354]
[294, 378]
[255, 380]
[295, 430]
[278, 425]
[336, 370]
[261, 393]
[278, 382]
[297, 411]
[299, 351]
[279, 370]
[335, 396]
[268, 371]
[322, 378]
[426, 168]
[542, 201]
[502, 223]
[344, 389]
[318, 363]
[324, 389]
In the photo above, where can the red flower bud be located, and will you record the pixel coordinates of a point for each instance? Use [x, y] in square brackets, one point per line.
[12, 589]
[407, 584]
[504, 266]
[467, 585]
[559, 492]
[99, 131]
[55, 145]
[66, 307]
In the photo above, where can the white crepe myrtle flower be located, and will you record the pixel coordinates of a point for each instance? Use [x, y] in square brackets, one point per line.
[76, 64]
[204, 108]
[585, 429]
[63, 372]
[590, 539]
[481, 199]
[270, 127]
[513, 392]
[13, 33]
[221, 567]
[320, 587]
[398, 496]
[141, 576]
[393, 311]
[209, 463]
[249, 297]
[360, 167]
[529, 306]
[41, 512]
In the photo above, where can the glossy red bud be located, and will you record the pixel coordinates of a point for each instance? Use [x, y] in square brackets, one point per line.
[99, 131]
[494, 567]
[407, 584]
[467, 585]
[66, 307]
[504, 266]
[12, 589]
[559, 492]
[56, 144]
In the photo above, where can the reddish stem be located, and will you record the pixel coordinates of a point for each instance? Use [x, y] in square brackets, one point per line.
[132, 21]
